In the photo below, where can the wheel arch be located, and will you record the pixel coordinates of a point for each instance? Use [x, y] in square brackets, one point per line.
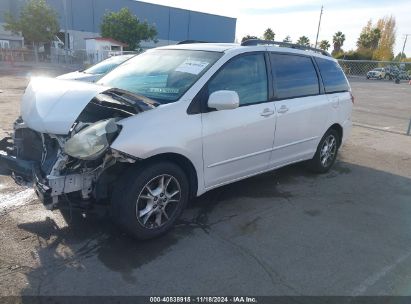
[339, 129]
[183, 162]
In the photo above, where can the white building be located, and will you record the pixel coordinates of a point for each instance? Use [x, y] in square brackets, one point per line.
[101, 48]
[10, 41]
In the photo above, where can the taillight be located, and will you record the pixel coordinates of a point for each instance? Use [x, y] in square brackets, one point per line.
[352, 98]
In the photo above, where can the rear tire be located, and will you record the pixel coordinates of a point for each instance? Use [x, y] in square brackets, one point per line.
[147, 200]
[326, 153]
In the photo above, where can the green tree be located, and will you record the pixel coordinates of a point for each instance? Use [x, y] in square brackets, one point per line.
[127, 28]
[248, 37]
[369, 40]
[338, 42]
[369, 37]
[37, 22]
[324, 45]
[269, 34]
[400, 57]
[287, 39]
[303, 40]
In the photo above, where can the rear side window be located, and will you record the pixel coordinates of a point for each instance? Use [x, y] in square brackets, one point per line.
[294, 76]
[332, 75]
[247, 75]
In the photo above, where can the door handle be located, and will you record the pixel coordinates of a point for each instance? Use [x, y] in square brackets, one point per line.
[267, 112]
[283, 109]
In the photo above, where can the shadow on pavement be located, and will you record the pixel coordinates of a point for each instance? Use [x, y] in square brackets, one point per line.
[67, 248]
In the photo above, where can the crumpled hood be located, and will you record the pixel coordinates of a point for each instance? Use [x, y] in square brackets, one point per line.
[52, 106]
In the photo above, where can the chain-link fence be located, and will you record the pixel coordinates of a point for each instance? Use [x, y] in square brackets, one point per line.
[78, 58]
[83, 57]
[385, 69]
[381, 105]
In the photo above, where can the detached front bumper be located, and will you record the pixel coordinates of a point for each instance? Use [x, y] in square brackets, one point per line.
[22, 170]
[49, 188]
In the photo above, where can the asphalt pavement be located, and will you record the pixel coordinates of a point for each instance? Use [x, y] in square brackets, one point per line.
[288, 232]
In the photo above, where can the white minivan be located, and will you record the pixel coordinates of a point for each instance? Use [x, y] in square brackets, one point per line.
[175, 122]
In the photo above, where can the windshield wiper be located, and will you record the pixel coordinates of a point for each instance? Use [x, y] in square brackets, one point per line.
[139, 101]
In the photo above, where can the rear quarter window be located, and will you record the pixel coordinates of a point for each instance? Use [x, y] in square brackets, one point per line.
[294, 76]
[332, 75]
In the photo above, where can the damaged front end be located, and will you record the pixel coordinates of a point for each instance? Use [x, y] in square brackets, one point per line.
[79, 166]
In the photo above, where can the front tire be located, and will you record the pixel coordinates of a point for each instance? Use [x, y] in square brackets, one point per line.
[147, 201]
[326, 153]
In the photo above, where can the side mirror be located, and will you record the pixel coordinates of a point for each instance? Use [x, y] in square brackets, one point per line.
[224, 100]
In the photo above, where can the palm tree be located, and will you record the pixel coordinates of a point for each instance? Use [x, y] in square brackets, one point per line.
[338, 41]
[287, 39]
[324, 45]
[303, 40]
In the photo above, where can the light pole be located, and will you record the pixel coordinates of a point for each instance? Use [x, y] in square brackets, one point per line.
[318, 30]
[65, 32]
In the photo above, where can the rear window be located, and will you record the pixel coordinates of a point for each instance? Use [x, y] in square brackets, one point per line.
[294, 76]
[332, 75]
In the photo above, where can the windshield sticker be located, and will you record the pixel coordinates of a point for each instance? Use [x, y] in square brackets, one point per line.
[192, 66]
[163, 90]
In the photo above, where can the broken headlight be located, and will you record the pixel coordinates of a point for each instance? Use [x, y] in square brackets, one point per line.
[91, 142]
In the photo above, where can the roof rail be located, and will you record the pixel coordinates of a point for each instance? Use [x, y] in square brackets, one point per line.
[254, 42]
[191, 41]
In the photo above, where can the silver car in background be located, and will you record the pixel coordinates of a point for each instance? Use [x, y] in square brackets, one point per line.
[95, 72]
[378, 73]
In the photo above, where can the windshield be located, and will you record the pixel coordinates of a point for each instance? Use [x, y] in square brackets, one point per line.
[107, 65]
[161, 75]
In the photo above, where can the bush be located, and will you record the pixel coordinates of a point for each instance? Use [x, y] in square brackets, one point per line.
[355, 55]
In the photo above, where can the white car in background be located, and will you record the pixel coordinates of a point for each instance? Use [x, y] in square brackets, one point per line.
[175, 122]
[95, 72]
[377, 73]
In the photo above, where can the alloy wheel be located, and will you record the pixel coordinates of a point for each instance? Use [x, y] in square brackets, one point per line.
[328, 151]
[158, 201]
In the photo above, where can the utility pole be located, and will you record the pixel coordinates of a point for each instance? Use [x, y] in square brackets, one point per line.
[403, 47]
[65, 31]
[319, 24]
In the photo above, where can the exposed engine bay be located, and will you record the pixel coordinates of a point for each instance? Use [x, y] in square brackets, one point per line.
[80, 165]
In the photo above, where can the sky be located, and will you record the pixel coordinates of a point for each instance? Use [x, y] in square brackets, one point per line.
[298, 17]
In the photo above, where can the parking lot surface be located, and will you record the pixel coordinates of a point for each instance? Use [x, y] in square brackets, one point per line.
[382, 104]
[287, 232]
